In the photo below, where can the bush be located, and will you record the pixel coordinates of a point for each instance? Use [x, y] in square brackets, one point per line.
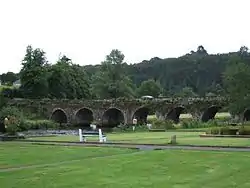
[14, 117]
[13, 125]
[214, 130]
[151, 119]
[244, 130]
[223, 131]
[198, 124]
[162, 124]
[128, 128]
[37, 124]
[190, 124]
[10, 92]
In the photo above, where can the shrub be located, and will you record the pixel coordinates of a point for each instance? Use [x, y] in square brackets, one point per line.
[37, 124]
[10, 92]
[163, 124]
[198, 124]
[244, 130]
[223, 131]
[223, 116]
[128, 128]
[214, 130]
[12, 127]
[14, 117]
[151, 119]
[190, 124]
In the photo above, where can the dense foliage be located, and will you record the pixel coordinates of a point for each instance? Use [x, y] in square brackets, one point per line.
[194, 74]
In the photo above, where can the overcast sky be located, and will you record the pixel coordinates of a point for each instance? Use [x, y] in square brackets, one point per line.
[87, 30]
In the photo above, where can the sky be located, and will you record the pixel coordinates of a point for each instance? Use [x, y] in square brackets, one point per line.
[87, 30]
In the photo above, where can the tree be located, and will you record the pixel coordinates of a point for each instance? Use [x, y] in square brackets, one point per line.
[80, 82]
[201, 50]
[34, 74]
[8, 78]
[187, 92]
[2, 100]
[200, 71]
[243, 50]
[110, 81]
[68, 80]
[236, 80]
[58, 79]
[149, 87]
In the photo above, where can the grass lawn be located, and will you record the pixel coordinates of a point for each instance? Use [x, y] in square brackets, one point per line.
[160, 169]
[13, 154]
[160, 138]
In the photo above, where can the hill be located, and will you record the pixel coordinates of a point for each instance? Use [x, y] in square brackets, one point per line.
[200, 71]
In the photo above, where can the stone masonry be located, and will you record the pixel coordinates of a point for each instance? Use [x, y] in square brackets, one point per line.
[122, 111]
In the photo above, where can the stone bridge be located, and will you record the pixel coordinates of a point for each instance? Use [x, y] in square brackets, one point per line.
[122, 111]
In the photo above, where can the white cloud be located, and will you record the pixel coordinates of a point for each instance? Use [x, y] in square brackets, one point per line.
[86, 31]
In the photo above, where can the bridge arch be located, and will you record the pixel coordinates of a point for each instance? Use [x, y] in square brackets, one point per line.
[141, 115]
[174, 114]
[210, 113]
[113, 117]
[59, 116]
[84, 117]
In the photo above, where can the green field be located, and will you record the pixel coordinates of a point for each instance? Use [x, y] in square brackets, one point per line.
[63, 167]
[160, 138]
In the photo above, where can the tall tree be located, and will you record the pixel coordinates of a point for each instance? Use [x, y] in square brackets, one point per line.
[111, 81]
[34, 74]
[236, 80]
[80, 82]
[68, 80]
[58, 78]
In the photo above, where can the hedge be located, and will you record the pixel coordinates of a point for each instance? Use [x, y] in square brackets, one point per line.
[244, 130]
